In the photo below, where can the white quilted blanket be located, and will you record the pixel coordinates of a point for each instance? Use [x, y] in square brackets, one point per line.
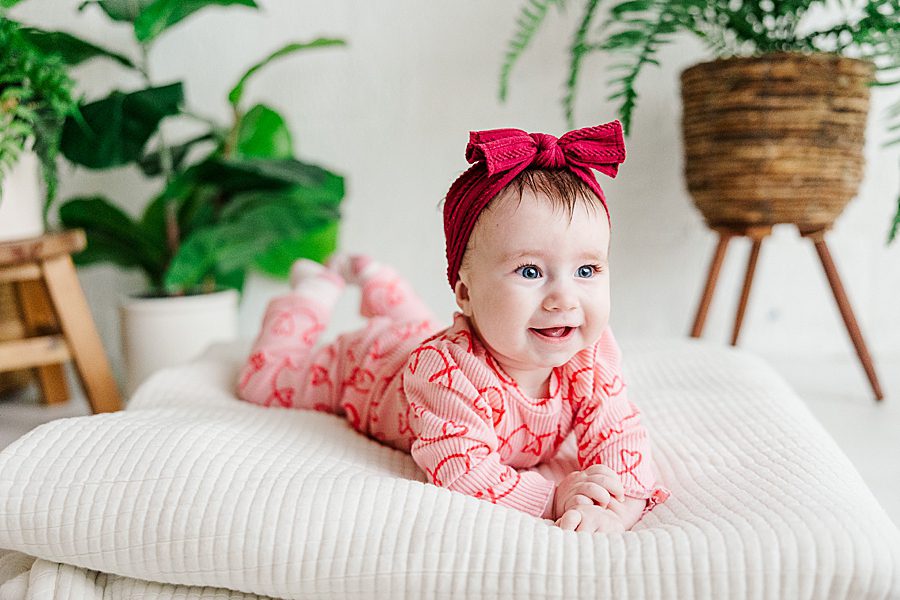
[190, 490]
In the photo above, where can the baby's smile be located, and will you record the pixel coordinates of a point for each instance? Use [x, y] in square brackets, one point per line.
[554, 334]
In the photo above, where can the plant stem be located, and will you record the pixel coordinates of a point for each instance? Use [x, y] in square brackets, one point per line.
[232, 138]
[173, 234]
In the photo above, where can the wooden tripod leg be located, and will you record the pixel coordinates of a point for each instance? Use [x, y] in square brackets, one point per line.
[81, 336]
[847, 313]
[745, 292]
[37, 314]
[710, 288]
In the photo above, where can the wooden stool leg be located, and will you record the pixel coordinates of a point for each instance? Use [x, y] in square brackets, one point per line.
[78, 328]
[710, 288]
[847, 313]
[37, 314]
[745, 292]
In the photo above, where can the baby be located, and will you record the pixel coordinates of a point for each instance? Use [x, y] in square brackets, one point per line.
[529, 357]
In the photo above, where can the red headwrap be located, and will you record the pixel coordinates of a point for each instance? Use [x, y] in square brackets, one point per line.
[499, 155]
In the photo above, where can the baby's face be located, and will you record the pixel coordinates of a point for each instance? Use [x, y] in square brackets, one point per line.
[536, 286]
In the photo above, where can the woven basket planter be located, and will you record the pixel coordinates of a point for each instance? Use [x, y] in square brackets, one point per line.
[775, 139]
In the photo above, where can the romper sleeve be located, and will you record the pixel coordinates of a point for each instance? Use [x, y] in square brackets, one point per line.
[456, 444]
[608, 428]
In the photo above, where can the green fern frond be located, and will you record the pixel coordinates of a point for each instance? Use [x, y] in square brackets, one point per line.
[895, 226]
[640, 41]
[35, 97]
[529, 21]
[577, 52]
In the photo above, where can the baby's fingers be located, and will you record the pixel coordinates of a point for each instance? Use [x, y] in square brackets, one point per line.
[606, 477]
[576, 500]
[569, 520]
[599, 469]
[596, 492]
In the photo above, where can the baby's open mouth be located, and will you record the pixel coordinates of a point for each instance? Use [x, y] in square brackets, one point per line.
[553, 332]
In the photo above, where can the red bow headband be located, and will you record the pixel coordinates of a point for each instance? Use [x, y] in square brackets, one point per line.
[499, 155]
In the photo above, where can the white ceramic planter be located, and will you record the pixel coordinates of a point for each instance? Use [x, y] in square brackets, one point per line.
[22, 203]
[164, 332]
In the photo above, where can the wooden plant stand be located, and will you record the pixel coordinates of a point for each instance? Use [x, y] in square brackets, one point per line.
[757, 233]
[57, 320]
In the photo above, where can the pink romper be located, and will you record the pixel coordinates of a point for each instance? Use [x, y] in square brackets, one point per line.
[440, 396]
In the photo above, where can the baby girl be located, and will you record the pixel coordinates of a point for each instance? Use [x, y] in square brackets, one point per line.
[529, 357]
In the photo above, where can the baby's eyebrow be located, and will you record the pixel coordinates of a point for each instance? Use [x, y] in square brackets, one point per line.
[521, 254]
[598, 256]
[595, 256]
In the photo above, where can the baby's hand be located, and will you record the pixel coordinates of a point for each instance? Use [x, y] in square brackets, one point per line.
[591, 519]
[598, 484]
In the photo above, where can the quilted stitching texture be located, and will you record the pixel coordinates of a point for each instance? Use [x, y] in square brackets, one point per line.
[191, 488]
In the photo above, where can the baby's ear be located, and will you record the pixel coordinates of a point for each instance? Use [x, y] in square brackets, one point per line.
[461, 291]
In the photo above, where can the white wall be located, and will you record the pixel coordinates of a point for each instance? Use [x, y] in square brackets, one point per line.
[392, 113]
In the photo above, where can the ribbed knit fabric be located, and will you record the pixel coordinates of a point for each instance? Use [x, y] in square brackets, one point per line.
[499, 155]
[472, 429]
[446, 401]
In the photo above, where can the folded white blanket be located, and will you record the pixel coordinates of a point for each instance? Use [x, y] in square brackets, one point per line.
[191, 487]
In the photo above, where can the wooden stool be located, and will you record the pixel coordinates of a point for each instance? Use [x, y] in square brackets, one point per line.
[757, 234]
[51, 302]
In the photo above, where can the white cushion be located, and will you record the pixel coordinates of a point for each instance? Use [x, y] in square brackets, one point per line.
[190, 486]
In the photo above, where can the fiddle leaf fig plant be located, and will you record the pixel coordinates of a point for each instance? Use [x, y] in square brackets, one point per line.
[233, 196]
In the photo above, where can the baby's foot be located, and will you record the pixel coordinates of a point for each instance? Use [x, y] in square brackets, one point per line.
[313, 280]
[354, 268]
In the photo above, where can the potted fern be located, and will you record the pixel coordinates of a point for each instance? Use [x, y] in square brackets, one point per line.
[35, 99]
[233, 197]
[781, 110]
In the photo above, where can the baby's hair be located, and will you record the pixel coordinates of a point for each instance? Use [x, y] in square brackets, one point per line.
[561, 188]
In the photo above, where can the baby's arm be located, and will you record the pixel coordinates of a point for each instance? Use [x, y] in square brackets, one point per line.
[609, 432]
[456, 443]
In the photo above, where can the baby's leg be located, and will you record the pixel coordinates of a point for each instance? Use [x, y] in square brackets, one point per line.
[385, 293]
[283, 370]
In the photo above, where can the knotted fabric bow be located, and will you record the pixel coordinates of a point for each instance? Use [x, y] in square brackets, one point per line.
[499, 155]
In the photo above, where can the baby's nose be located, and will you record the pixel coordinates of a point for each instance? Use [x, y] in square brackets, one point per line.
[560, 299]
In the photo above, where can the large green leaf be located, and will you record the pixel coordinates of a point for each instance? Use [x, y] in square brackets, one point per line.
[276, 224]
[234, 96]
[322, 200]
[263, 133]
[270, 236]
[221, 248]
[70, 49]
[8, 3]
[162, 14]
[194, 261]
[117, 128]
[123, 10]
[316, 245]
[243, 174]
[112, 236]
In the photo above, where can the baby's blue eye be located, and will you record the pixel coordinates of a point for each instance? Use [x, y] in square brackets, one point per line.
[586, 271]
[529, 272]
